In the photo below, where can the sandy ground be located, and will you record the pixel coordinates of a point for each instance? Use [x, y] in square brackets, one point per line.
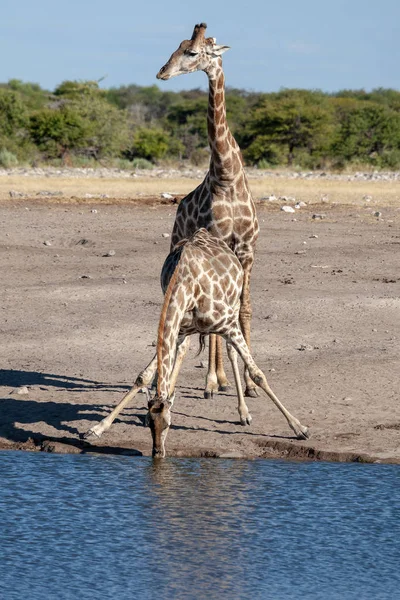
[77, 326]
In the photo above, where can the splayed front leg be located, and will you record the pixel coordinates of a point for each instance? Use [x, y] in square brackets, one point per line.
[142, 381]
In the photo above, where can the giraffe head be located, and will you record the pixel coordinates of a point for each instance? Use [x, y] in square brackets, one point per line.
[197, 54]
[159, 420]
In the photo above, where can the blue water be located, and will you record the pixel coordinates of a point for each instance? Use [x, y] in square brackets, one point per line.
[104, 527]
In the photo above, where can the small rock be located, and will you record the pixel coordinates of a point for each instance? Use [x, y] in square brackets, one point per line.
[165, 235]
[85, 277]
[318, 216]
[167, 196]
[49, 194]
[15, 194]
[306, 347]
[377, 214]
[110, 253]
[94, 211]
[203, 364]
[21, 391]
[300, 252]
[288, 209]
[314, 237]
[124, 281]
[47, 243]
[231, 455]
[374, 330]
[300, 205]
[270, 198]
[272, 370]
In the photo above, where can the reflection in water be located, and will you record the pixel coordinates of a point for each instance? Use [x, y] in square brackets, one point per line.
[117, 527]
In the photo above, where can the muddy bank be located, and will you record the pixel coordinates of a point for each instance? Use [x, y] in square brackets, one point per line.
[78, 323]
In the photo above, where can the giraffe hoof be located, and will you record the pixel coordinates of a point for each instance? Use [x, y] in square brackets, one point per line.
[89, 433]
[224, 388]
[208, 394]
[246, 420]
[251, 393]
[304, 434]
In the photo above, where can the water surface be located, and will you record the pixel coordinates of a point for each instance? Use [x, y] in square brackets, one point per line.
[120, 527]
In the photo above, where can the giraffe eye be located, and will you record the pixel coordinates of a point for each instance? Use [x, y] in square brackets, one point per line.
[191, 53]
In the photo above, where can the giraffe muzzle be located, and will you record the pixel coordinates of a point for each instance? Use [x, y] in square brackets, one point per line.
[161, 74]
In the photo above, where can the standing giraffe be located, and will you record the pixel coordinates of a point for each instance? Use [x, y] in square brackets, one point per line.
[204, 284]
[222, 203]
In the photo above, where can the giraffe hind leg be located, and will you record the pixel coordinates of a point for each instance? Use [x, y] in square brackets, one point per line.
[223, 383]
[239, 343]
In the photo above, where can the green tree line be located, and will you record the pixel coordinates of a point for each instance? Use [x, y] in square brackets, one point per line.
[80, 123]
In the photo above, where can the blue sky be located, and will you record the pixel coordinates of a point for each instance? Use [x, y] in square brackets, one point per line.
[292, 43]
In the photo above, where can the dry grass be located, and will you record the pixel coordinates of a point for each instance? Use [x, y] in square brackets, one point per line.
[312, 191]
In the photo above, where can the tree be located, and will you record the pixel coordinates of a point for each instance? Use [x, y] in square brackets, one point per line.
[367, 132]
[293, 120]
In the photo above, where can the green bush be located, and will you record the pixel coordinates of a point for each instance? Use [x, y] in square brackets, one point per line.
[7, 159]
[141, 163]
[151, 144]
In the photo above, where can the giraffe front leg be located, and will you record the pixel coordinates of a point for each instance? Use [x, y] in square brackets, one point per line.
[211, 378]
[142, 381]
[244, 415]
[245, 313]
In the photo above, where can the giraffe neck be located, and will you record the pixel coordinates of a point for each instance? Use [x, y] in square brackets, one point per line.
[222, 143]
[168, 331]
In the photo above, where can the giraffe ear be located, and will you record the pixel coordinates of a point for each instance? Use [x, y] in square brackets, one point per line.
[217, 50]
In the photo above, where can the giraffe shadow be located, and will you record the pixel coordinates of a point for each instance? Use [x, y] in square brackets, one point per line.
[21, 417]
[244, 430]
[18, 378]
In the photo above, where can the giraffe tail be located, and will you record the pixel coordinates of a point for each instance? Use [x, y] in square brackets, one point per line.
[202, 343]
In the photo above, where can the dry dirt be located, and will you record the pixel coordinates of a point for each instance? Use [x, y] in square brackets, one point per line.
[77, 326]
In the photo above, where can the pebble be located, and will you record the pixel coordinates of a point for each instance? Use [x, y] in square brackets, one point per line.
[300, 205]
[377, 214]
[233, 454]
[270, 198]
[167, 196]
[165, 235]
[49, 194]
[47, 243]
[314, 236]
[307, 347]
[21, 391]
[288, 209]
[318, 216]
[94, 211]
[110, 253]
